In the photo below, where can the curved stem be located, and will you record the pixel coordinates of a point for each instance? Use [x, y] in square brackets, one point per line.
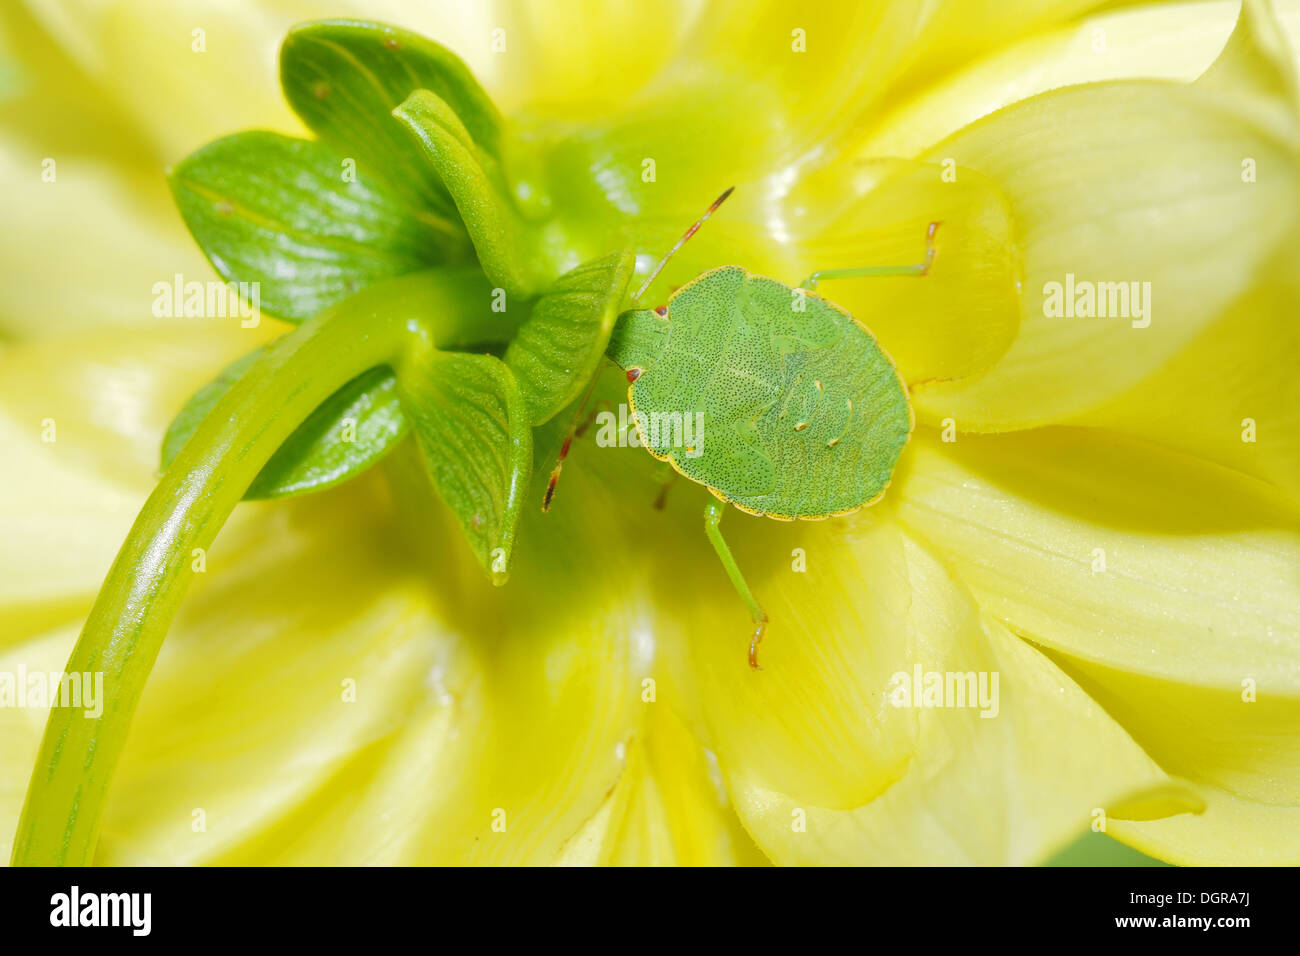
[121, 638]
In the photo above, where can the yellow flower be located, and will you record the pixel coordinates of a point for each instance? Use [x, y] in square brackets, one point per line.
[1100, 512]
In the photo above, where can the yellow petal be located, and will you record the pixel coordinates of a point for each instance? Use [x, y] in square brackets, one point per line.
[670, 807]
[815, 720]
[572, 57]
[1168, 587]
[877, 214]
[1233, 395]
[280, 668]
[1245, 833]
[1187, 555]
[127, 44]
[1100, 209]
[50, 103]
[480, 730]
[81, 421]
[829, 67]
[489, 725]
[21, 725]
[824, 768]
[1243, 740]
[59, 279]
[185, 72]
[1256, 72]
[69, 155]
[61, 529]
[1174, 41]
[785, 81]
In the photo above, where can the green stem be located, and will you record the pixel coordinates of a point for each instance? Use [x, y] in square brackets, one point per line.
[61, 815]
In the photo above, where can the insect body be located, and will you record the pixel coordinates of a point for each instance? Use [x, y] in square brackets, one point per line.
[801, 413]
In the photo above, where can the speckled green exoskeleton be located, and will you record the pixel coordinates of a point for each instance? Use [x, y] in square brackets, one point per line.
[800, 412]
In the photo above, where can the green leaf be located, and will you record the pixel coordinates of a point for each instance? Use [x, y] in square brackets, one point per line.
[473, 429]
[511, 251]
[560, 345]
[1097, 849]
[278, 211]
[345, 77]
[348, 433]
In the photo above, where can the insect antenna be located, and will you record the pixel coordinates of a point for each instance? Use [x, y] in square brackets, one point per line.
[579, 421]
[682, 241]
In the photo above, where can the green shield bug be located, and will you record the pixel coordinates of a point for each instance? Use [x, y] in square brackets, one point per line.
[798, 411]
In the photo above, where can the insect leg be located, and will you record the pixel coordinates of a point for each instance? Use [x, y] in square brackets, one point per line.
[580, 424]
[602, 405]
[664, 476]
[863, 272]
[712, 518]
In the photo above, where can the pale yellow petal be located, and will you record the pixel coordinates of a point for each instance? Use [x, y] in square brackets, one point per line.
[1246, 833]
[954, 322]
[578, 56]
[1167, 586]
[1232, 396]
[822, 765]
[259, 699]
[224, 78]
[447, 724]
[90, 226]
[1112, 216]
[1243, 740]
[186, 72]
[86, 250]
[48, 100]
[1116, 551]
[829, 68]
[489, 725]
[1256, 73]
[670, 808]
[81, 421]
[1175, 41]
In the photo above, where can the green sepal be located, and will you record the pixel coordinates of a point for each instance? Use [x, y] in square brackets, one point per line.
[345, 77]
[473, 431]
[347, 434]
[512, 251]
[286, 214]
[559, 347]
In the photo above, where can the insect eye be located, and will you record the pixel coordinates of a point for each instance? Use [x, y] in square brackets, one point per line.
[633, 374]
